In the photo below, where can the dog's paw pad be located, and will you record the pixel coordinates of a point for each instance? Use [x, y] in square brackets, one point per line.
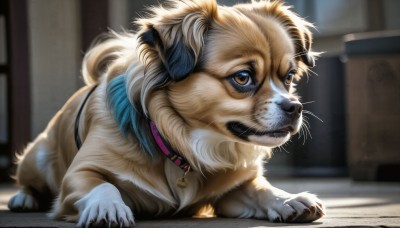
[23, 202]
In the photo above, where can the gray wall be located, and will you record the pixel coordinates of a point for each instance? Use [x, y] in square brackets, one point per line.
[54, 31]
[335, 18]
[3, 84]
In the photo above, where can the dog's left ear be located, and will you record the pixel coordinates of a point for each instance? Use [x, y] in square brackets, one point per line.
[303, 47]
[176, 35]
[297, 28]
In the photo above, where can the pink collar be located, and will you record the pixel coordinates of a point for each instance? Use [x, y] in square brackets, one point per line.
[178, 160]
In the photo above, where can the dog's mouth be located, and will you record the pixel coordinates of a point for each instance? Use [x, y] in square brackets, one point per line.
[242, 131]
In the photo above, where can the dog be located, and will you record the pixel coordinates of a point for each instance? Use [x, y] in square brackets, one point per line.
[175, 118]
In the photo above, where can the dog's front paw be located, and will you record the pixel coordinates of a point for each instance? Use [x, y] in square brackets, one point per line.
[23, 202]
[106, 213]
[103, 206]
[302, 207]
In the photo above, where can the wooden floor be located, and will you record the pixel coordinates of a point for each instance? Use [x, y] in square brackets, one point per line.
[349, 204]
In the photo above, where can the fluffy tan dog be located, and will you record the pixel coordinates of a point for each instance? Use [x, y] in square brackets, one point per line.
[177, 117]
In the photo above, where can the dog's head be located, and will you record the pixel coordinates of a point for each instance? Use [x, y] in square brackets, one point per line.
[229, 70]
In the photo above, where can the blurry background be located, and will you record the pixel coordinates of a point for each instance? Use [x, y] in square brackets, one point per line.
[42, 43]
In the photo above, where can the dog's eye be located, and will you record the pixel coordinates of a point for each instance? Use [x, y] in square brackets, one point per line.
[289, 77]
[243, 78]
[243, 81]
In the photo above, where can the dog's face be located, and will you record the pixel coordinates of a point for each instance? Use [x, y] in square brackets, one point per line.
[239, 81]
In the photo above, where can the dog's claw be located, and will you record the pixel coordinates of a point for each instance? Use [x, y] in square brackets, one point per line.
[291, 217]
[110, 223]
[277, 219]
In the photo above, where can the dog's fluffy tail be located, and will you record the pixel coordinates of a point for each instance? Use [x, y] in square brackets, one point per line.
[102, 55]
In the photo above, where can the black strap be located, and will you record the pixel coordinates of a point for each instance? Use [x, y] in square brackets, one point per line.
[78, 141]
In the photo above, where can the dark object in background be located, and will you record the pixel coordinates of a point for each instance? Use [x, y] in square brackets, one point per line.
[326, 150]
[323, 155]
[373, 104]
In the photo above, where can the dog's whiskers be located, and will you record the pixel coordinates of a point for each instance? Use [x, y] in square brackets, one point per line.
[304, 135]
[305, 127]
[309, 70]
[252, 126]
[209, 122]
[312, 114]
[307, 102]
[299, 54]
[282, 147]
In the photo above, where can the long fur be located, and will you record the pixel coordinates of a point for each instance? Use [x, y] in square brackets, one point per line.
[174, 71]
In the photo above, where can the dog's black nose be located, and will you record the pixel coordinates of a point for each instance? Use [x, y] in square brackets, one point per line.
[292, 109]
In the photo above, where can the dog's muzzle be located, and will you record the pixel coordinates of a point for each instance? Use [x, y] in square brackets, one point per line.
[291, 111]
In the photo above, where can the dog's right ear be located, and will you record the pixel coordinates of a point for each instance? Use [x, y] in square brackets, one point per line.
[150, 37]
[297, 27]
[175, 36]
[179, 60]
